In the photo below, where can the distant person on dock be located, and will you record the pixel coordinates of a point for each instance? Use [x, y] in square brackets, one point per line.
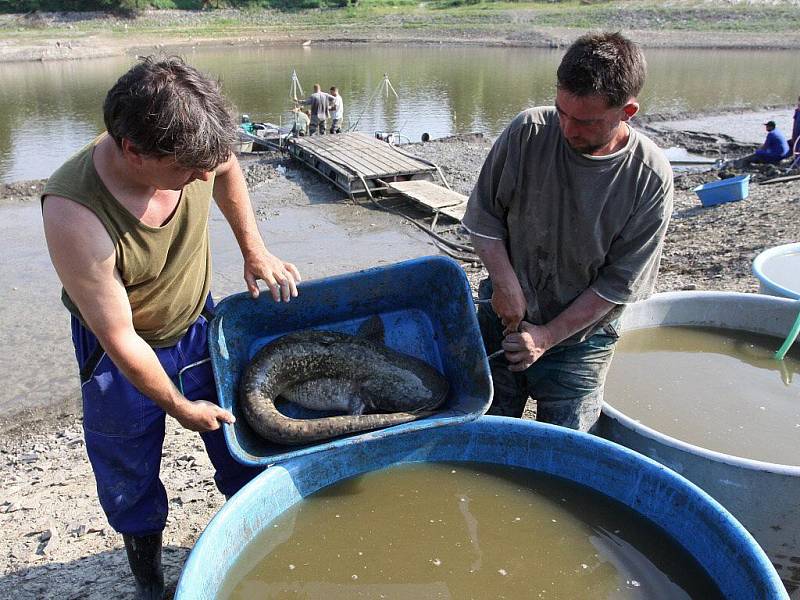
[318, 102]
[301, 122]
[774, 149]
[337, 110]
[126, 224]
[568, 215]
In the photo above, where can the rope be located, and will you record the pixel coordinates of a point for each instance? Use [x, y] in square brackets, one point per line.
[385, 83]
[429, 231]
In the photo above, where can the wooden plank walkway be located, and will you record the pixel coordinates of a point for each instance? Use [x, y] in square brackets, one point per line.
[428, 193]
[350, 159]
[435, 197]
[455, 212]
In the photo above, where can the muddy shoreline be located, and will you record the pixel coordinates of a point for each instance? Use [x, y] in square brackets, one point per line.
[58, 543]
[41, 36]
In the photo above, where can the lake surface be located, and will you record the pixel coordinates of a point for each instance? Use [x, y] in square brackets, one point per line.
[462, 531]
[714, 388]
[48, 110]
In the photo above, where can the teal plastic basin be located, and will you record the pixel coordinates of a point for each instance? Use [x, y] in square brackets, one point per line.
[691, 517]
[725, 190]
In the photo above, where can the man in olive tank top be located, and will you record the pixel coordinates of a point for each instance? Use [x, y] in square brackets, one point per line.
[126, 223]
[569, 215]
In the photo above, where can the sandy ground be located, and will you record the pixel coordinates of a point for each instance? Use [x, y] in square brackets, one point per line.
[56, 539]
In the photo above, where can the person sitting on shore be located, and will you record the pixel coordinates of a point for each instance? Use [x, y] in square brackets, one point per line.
[774, 149]
[793, 144]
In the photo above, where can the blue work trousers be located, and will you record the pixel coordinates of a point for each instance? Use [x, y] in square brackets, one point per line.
[124, 429]
[566, 382]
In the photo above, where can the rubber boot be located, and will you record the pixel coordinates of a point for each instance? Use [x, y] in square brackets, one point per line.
[144, 557]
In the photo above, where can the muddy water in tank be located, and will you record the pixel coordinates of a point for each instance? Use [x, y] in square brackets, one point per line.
[440, 530]
[784, 269]
[714, 388]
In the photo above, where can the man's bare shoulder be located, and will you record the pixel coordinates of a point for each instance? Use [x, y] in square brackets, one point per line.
[71, 226]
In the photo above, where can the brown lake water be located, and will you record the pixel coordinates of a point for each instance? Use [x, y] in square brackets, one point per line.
[461, 531]
[717, 389]
[48, 110]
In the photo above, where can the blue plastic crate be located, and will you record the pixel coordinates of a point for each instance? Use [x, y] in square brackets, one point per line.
[724, 190]
[427, 310]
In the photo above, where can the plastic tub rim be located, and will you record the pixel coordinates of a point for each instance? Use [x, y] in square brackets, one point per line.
[712, 455]
[672, 442]
[218, 524]
[758, 268]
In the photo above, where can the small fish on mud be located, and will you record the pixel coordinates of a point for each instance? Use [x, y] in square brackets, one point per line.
[331, 371]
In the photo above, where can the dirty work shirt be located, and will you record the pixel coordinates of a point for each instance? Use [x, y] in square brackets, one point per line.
[318, 102]
[570, 221]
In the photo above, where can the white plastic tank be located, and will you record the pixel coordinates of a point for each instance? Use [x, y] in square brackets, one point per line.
[778, 271]
[764, 497]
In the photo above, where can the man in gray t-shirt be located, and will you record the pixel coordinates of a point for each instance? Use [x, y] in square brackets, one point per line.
[318, 102]
[569, 216]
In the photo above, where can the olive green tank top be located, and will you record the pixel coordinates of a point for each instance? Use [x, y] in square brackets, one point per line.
[166, 270]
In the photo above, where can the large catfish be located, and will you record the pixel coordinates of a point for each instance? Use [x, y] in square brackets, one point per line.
[330, 371]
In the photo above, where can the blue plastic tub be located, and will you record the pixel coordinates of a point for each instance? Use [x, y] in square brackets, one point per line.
[427, 309]
[683, 511]
[724, 190]
[790, 255]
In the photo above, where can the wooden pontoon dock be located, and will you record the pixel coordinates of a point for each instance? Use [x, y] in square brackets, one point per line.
[369, 167]
[359, 164]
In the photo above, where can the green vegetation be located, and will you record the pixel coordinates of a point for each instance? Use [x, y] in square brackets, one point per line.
[135, 6]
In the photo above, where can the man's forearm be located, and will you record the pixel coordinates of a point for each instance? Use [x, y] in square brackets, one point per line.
[586, 310]
[495, 258]
[140, 365]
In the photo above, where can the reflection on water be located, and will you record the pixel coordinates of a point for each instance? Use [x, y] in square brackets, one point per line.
[49, 110]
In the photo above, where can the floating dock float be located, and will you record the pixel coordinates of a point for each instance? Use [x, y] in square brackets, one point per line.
[358, 164]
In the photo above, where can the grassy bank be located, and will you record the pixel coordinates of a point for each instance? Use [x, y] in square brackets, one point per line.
[438, 15]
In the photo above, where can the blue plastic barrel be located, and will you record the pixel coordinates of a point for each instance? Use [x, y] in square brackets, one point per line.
[693, 519]
[767, 285]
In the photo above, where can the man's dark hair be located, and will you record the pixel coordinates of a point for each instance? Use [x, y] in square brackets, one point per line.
[168, 108]
[605, 64]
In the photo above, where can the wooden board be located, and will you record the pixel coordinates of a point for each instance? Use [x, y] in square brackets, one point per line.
[360, 155]
[455, 212]
[779, 179]
[428, 193]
